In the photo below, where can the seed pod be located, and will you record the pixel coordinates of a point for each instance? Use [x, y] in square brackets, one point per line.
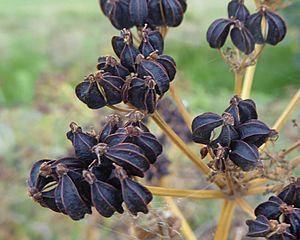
[36, 182]
[136, 120]
[231, 115]
[101, 172]
[244, 155]
[125, 50]
[253, 24]
[129, 156]
[138, 10]
[291, 194]
[152, 41]
[142, 94]
[82, 186]
[48, 200]
[48, 169]
[117, 12]
[113, 123]
[105, 198]
[136, 196]
[255, 132]
[145, 140]
[260, 227]
[167, 62]
[293, 218]
[156, 71]
[271, 209]
[166, 12]
[112, 87]
[227, 135]
[111, 65]
[82, 143]
[237, 10]
[276, 28]
[247, 110]
[67, 197]
[242, 38]
[217, 32]
[221, 156]
[114, 180]
[203, 125]
[89, 93]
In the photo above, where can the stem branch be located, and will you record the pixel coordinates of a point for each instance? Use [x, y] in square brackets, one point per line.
[184, 193]
[225, 220]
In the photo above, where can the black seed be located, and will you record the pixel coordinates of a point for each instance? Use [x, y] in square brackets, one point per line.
[255, 132]
[130, 157]
[203, 125]
[260, 227]
[242, 39]
[113, 123]
[244, 155]
[247, 110]
[270, 209]
[111, 65]
[151, 41]
[70, 199]
[82, 143]
[237, 10]
[253, 24]
[89, 93]
[136, 196]
[138, 10]
[156, 71]
[217, 32]
[276, 28]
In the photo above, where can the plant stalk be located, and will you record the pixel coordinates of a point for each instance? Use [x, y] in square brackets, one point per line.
[245, 207]
[185, 227]
[238, 77]
[287, 112]
[184, 193]
[183, 147]
[295, 162]
[180, 106]
[290, 149]
[225, 220]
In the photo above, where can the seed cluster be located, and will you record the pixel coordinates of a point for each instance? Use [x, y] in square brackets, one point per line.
[129, 13]
[246, 30]
[143, 74]
[279, 217]
[240, 137]
[102, 172]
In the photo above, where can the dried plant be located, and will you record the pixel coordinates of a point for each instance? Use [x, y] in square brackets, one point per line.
[109, 166]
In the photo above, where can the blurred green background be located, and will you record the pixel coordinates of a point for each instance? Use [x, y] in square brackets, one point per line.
[47, 47]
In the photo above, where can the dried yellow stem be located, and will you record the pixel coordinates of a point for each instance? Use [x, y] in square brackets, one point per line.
[183, 147]
[256, 182]
[290, 149]
[295, 162]
[248, 81]
[185, 227]
[184, 193]
[121, 109]
[180, 106]
[258, 190]
[238, 77]
[225, 220]
[245, 207]
[288, 111]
